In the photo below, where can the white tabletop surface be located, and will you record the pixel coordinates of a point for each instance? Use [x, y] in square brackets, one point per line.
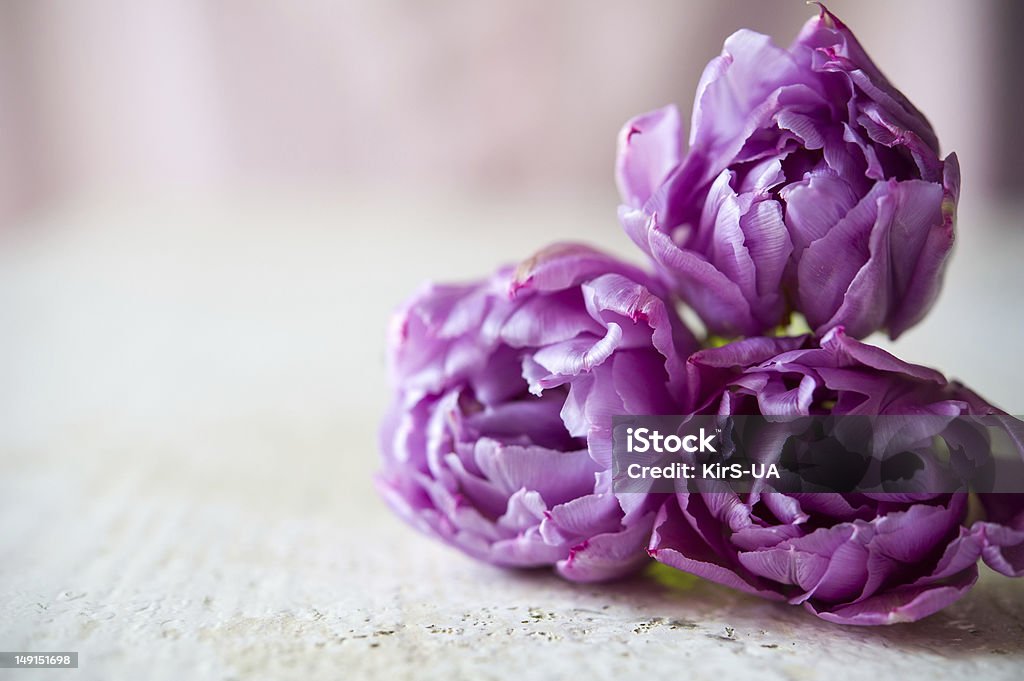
[190, 396]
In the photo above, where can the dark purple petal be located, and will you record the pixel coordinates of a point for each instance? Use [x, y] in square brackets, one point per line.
[904, 604]
[920, 288]
[677, 543]
[857, 558]
[1003, 545]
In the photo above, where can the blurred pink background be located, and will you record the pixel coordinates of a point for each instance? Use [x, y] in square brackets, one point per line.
[115, 98]
[212, 207]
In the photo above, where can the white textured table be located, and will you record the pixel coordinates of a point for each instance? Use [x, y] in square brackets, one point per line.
[190, 395]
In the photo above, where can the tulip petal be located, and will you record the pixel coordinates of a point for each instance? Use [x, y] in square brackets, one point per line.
[648, 150]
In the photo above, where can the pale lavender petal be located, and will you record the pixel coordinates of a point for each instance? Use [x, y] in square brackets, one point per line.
[608, 555]
[556, 476]
[498, 438]
[648, 149]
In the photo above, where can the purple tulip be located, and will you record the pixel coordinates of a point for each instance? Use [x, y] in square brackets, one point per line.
[857, 558]
[499, 439]
[810, 184]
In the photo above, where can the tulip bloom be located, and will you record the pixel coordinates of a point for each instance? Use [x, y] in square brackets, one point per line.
[810, 184]
[499, 438]
[851, 558]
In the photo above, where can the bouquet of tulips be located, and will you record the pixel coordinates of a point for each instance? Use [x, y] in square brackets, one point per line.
[808, 189]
